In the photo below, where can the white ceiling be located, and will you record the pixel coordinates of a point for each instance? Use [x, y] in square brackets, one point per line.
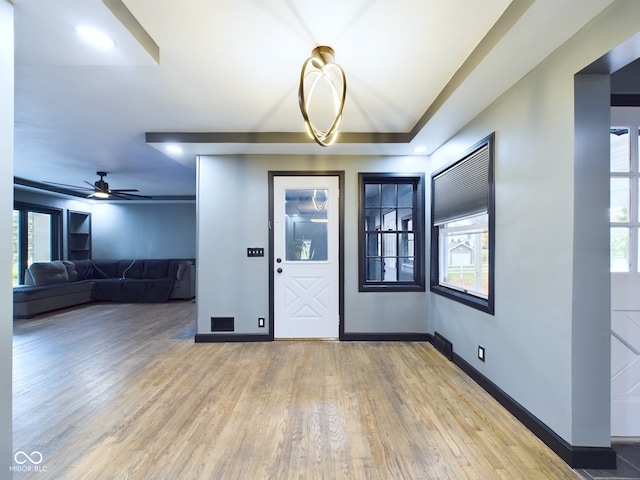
[416, 69]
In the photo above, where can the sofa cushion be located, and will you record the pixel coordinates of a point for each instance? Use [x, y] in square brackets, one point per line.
[155, 269]
[30, 293]
[106, 268]
[48, 273]
[71, 270]
[85, 269]
[133, 290]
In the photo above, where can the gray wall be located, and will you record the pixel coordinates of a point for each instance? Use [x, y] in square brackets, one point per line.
[127, 229]
[547, 344]
[6, 206]
[144, 230]
[233, 215]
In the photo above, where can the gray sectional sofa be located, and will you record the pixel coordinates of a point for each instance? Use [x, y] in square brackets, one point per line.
[62, 284]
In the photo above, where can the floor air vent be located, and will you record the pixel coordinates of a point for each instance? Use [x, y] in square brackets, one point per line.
[443, 345]
[222, 324]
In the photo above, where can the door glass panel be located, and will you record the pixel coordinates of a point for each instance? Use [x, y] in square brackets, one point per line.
[620, 195]
[619, 144]
[619, 249]
[306, 224]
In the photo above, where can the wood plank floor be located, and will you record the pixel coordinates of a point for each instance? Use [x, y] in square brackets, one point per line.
[104, 392]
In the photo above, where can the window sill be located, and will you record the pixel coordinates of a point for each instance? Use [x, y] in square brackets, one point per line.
[395, 287]
[482, 304]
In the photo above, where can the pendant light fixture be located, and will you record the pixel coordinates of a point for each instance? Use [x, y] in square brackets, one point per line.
[321, 71]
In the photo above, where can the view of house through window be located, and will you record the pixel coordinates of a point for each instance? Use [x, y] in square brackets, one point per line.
[464, 260]
[624, 201]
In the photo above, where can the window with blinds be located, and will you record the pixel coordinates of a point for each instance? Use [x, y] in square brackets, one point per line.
[462, 233]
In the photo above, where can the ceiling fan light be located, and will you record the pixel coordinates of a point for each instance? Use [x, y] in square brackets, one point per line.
[101, 195]
[319, 68]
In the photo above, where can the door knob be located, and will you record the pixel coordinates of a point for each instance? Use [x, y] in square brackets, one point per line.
[279, 270]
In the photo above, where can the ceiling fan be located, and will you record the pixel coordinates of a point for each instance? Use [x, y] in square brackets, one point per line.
[100, 189]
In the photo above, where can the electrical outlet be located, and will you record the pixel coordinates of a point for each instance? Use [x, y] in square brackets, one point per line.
[481, 353]
[261, 322]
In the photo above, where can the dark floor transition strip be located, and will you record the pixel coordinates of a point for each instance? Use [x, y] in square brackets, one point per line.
[628, 464]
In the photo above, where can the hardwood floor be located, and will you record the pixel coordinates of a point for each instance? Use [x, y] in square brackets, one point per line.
[104, 392]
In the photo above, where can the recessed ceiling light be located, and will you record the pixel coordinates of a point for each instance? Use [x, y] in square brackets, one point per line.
[95, 37]
[174, 149]
[420, 149]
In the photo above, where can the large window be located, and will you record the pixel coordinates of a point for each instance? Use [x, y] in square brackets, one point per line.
[391, 242]
[462, 233]
[36, 237]
[624, 201]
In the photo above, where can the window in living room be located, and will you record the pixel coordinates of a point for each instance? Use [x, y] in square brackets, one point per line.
[36, 237]
[462, 232]
[391, 238]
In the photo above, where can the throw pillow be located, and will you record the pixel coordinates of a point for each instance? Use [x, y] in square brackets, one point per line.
[48, 273]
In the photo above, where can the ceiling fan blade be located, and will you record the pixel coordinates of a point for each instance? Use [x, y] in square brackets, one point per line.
[118, 193]
[127, 196]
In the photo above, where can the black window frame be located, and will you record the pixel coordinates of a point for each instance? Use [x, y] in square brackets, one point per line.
[417, 180]
[23, 210]
[484, 304]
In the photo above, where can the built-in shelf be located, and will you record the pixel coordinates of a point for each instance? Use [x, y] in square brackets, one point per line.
[79, 235]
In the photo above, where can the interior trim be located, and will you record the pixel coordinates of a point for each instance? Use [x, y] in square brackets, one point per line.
[514, 11]
[224, 338]
[387, 337]
[271, 137]
[507, 20]
[574, 456]
[30, 184]
[126, 18]
[625, 100]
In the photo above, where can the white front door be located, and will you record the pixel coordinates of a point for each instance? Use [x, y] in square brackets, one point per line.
[625, 276]
[306, 263]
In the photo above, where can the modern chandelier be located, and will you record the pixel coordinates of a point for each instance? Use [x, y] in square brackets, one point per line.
[321, 70]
